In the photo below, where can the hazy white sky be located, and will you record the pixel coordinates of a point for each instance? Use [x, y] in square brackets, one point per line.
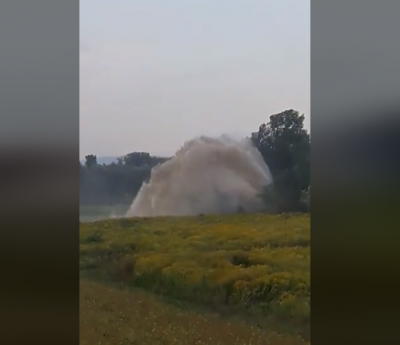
[154, 73]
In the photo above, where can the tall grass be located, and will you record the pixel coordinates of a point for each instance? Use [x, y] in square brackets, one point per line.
[257, 264]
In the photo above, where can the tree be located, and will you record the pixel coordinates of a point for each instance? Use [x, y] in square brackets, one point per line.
[115, 183]
[285, 146]
[137, 159]
[283, 143]
[91, 160]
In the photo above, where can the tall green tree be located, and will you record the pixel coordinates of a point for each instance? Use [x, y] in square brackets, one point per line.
[285, 146]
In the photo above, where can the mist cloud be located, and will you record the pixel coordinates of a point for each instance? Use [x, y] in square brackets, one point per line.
[206, 176]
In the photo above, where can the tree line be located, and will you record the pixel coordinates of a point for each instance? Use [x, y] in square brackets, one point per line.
[283, 142]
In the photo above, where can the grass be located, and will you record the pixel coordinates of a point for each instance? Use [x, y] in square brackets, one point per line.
[257, 266]
[114, 316]
[98, 212]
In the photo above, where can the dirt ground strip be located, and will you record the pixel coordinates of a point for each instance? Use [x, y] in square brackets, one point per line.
[111, 316]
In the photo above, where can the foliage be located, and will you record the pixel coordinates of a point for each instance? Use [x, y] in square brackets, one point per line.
[283, 143]
[285, 146]
[248, 263]
[91, 161]
[115, 183]
[141, 159]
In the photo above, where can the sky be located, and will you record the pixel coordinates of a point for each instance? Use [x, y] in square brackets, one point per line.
[156, 73]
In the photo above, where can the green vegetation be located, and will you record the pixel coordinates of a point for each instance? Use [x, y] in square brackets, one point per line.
[283, 142]
[255, 265]
[113, 315]
[252, 267]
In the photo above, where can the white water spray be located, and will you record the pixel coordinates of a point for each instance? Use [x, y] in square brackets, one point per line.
[206, 176]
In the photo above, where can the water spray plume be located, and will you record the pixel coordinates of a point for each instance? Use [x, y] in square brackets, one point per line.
[206, 176]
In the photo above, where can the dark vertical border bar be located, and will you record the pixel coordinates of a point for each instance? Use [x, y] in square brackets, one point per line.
[39, 180]
[355, 108]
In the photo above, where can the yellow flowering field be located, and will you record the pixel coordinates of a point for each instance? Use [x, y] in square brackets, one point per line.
[245, 263]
